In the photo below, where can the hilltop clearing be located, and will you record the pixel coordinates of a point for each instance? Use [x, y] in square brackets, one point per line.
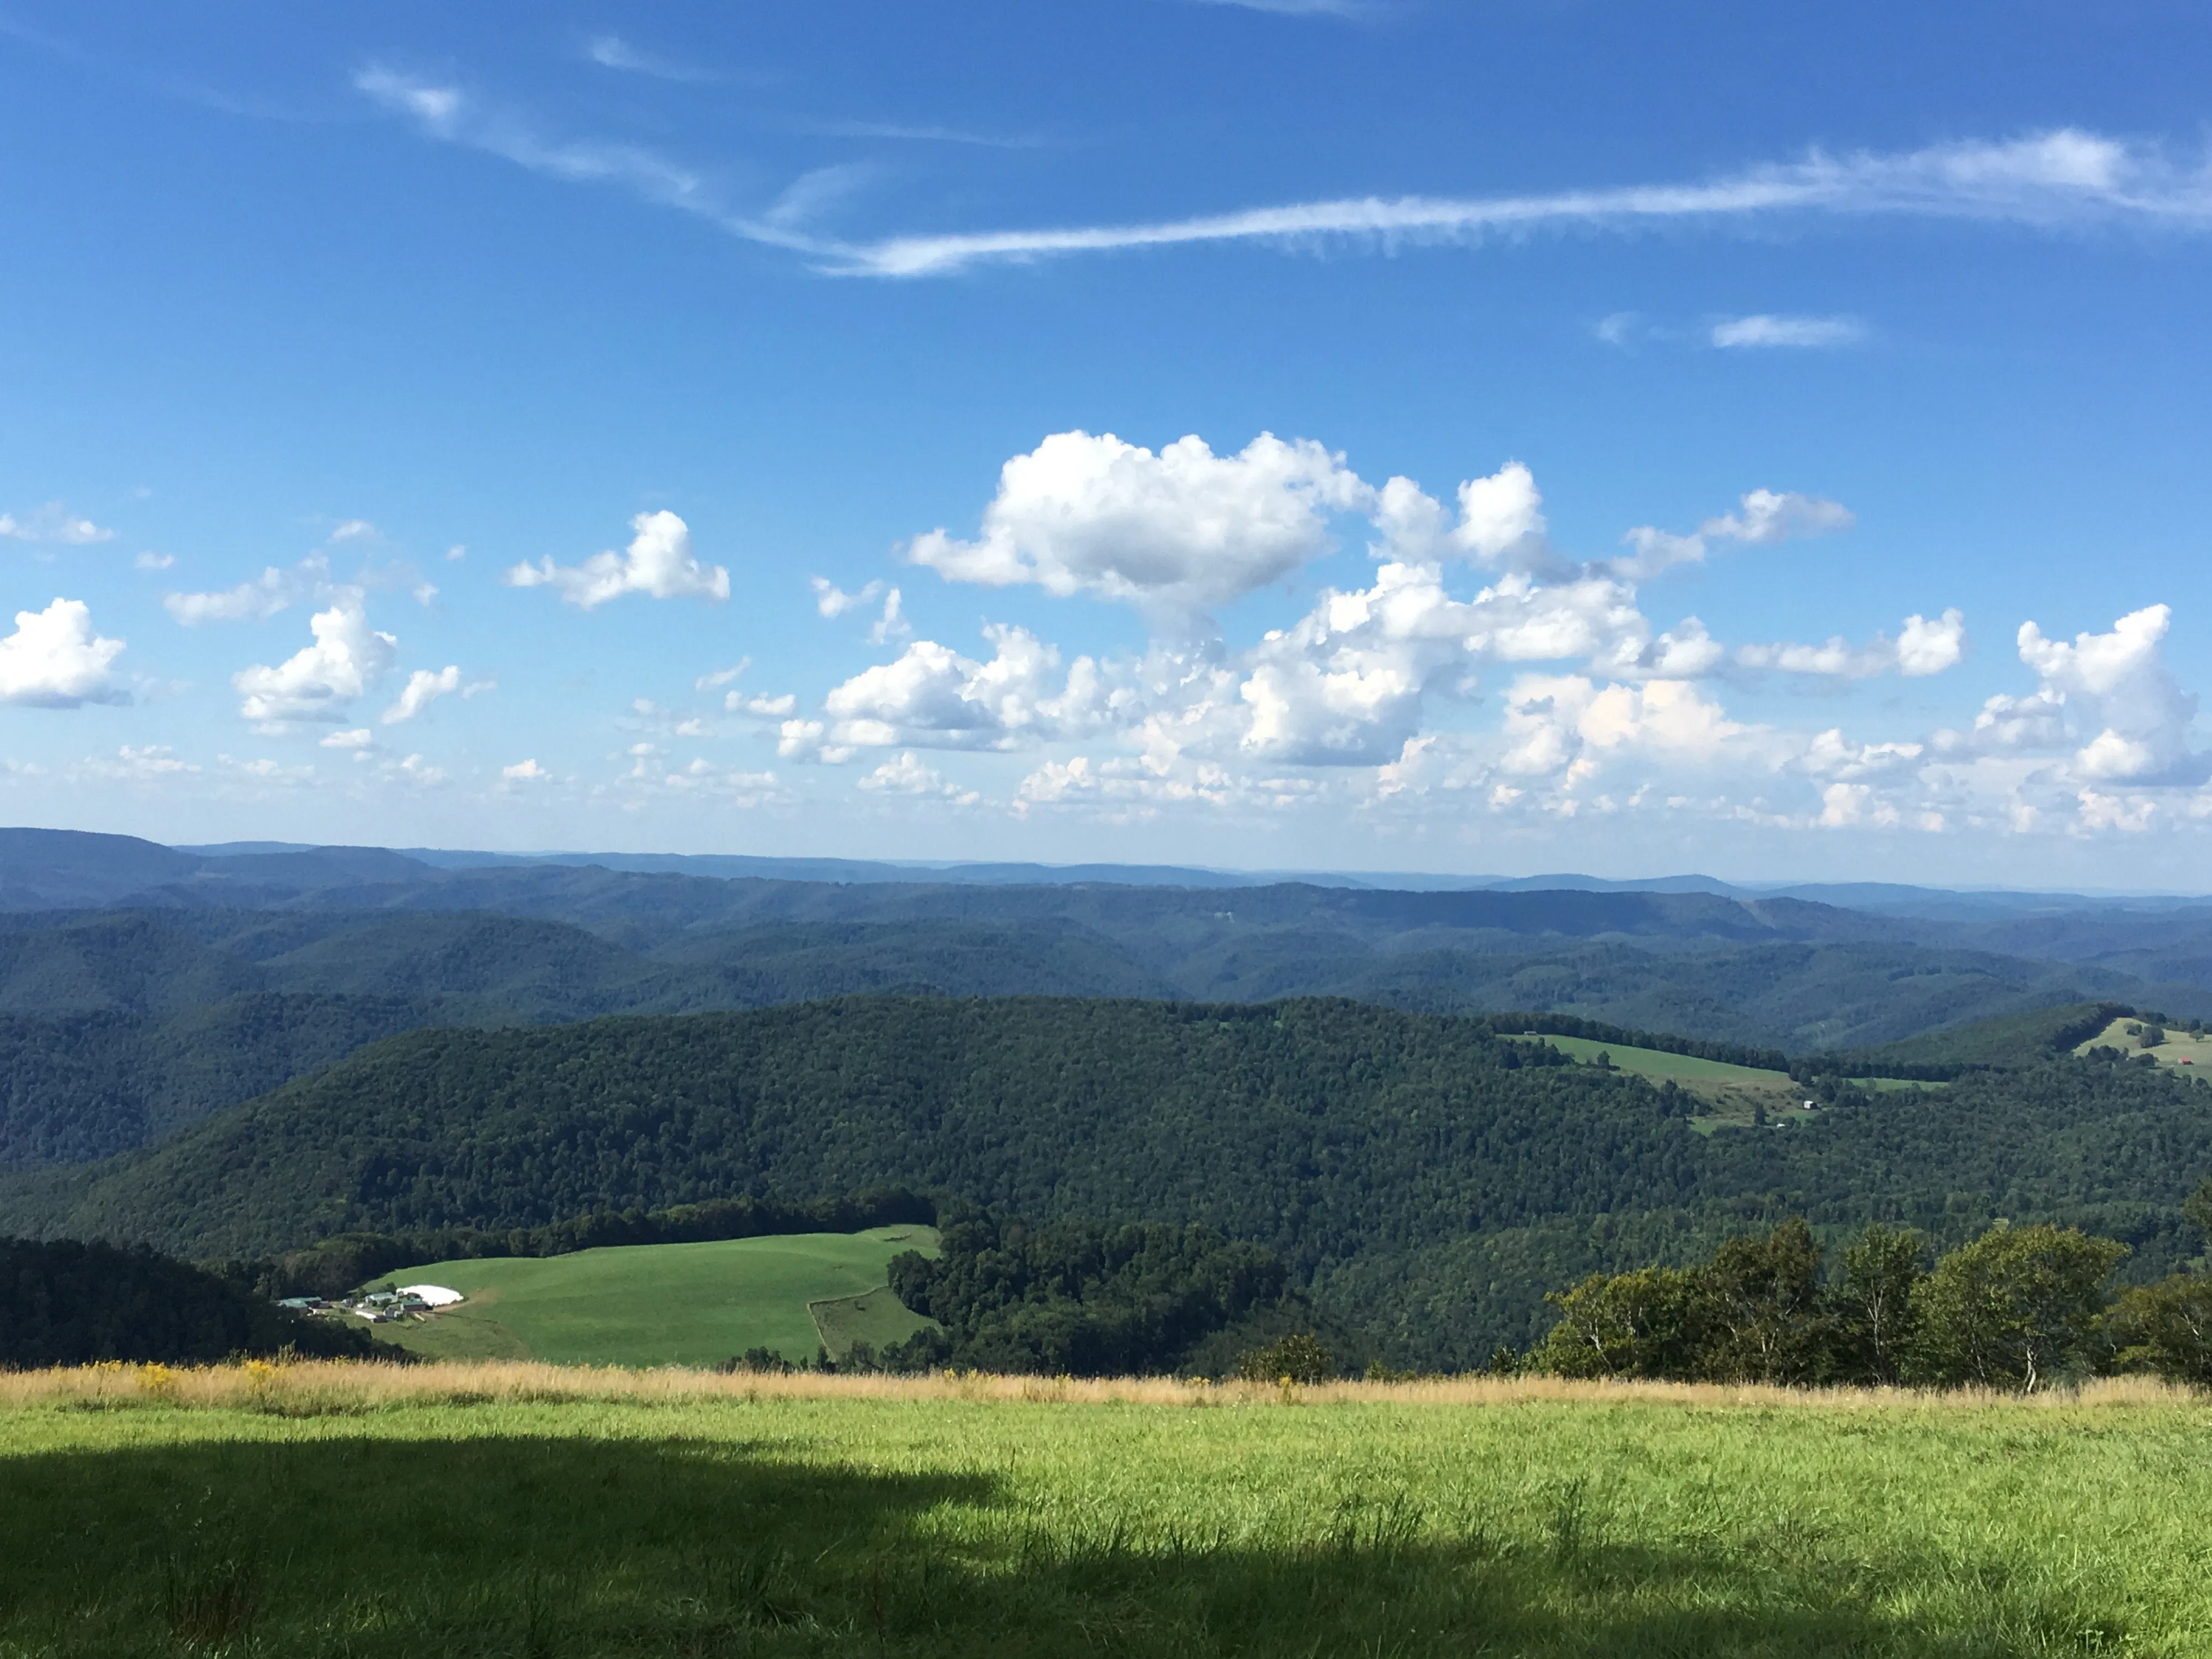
[1728, 1094]
[2138, 1036]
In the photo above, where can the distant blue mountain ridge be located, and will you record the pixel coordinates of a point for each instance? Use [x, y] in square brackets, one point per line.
[1886, 896]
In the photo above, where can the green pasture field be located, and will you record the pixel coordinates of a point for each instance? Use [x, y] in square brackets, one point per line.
[1731, 1093]
[2178, 1049]
[1658, 1065]
[932, 1525]
[875, 1317]
[667, 1304]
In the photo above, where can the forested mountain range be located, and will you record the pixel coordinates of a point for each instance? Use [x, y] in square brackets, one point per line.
[142, 987]
[1425, 1179]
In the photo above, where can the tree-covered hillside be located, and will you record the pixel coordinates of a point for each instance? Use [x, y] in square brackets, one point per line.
[68, 1304]
[98, 1010]
[1427, 1178]
[90, 1086]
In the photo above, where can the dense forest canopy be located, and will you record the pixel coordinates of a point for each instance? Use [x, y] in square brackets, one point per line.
[143, 987]
[1422, 1178]
[69, 1303]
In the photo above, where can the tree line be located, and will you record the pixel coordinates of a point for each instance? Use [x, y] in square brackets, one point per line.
[2018, 1308]
[1088, 1299]
[62, 1303]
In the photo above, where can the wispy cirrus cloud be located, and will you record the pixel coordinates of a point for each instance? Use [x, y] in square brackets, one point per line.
[612, 52]
[452, 115]
[924, 134]
[2064, 177]
[1768, 330]
[1299, 8]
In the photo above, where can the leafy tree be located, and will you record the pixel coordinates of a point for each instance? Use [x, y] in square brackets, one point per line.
[2197, 1206]
[2165, 1328]
[2014, 1307]
[1653, 1322]
[1764, 1315]
[1874, 1302]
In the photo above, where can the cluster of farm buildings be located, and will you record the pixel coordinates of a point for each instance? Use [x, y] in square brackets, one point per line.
[379, 1307]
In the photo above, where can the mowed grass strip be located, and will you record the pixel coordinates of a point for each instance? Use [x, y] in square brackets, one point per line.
[1659, 1064]
[653, 1304]
[652, 1518]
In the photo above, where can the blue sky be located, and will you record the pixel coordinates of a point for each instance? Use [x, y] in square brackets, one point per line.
[1490, 438]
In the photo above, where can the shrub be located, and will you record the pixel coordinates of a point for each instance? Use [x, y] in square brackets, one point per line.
[756, 1360]
[1297, 1358]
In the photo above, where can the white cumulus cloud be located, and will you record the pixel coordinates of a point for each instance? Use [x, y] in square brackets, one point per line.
[931, 695]
[1921, 648]
[2136, 713]
[55, 660]
[1175, 532]
[659, 562]
[832, 601]
[318, 682]
[424, 686]
[907, 775]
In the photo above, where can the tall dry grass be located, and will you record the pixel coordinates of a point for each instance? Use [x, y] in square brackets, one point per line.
[310, 1386]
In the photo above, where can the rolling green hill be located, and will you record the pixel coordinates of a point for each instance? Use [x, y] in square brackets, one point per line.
[669, 1305]
[100, 1050]
[2020, 1039]
[92, 1085]
[1427, 1177]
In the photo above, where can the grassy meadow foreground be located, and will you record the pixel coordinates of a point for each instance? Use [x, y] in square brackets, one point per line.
[523, 1510]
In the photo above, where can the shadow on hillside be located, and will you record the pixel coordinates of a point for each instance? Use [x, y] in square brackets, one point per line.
[548, 1548]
